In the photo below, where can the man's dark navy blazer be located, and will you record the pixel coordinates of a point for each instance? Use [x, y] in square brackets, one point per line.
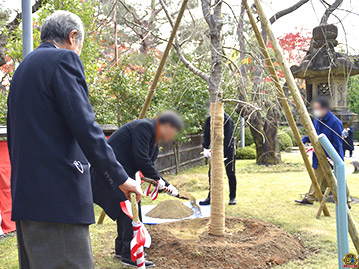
[51, 137]
[136, 148]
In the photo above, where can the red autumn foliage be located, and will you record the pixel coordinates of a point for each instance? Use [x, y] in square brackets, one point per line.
[295, 44]
[8, 67]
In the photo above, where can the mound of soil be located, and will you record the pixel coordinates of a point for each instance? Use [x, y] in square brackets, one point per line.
[170, 209]
[247, 243]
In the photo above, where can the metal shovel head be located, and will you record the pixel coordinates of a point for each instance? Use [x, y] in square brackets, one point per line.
[196, 209]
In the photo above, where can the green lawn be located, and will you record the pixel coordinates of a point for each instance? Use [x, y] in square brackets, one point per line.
[266, 193]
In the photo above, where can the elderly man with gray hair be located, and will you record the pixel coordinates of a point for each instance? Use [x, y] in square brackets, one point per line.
[52, 138]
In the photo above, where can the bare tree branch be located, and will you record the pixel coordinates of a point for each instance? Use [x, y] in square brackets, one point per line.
[329, 11]
[11, 26]
[241, 102]
[16, 21]
[177, 46]
[207, 13]
[286, 11]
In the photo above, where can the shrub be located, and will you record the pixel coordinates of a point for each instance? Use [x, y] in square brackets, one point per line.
[248, 136]
[285, 142]
[356, 135]
[288, 131]
[246, 153]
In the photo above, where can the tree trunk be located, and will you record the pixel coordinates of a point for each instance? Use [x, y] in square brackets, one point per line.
[263, 130]
[265, 137]
[271, 125]
[217, 221]
[214, 21]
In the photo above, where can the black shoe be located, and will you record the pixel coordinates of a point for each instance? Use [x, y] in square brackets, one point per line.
[119, 256]
[206, 202]
[131, 263]
[303, 202]
[232, 201]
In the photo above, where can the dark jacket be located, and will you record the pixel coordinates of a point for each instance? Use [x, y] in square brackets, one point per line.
[348, 143]
[51, 137]
[228, 142]
[332, 127]
[136, 148]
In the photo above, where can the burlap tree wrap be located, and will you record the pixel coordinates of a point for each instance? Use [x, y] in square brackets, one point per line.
[217, 221]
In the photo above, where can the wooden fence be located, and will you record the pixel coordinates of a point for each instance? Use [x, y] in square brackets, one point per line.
[173, 156]
[176, 156]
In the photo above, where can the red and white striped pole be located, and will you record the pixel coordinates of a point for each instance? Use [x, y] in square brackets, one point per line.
[141, 237]
[140, 241]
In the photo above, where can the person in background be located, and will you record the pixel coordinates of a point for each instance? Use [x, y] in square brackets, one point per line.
[325, 122]
[52, 137]
[229, 157]
[348, 141]
[136, 147]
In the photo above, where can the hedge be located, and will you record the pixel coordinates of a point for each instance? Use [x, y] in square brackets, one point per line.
[248, 136]
[246, 153]
[285, 141]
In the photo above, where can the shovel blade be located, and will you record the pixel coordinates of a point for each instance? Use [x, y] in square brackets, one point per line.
[196, 209]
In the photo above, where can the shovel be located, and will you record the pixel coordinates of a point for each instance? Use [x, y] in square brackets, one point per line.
[196, 209]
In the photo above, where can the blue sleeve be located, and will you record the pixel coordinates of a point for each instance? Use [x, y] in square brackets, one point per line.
[337, 138]
[305, 139]
[71, 94]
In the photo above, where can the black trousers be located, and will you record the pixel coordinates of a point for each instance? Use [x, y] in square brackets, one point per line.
[125, 234]
[230, 164]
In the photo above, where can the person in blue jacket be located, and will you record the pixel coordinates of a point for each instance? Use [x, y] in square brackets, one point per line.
[52, 138]
[325, 122]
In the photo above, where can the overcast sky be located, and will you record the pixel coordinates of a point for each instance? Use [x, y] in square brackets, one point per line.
[307, 17]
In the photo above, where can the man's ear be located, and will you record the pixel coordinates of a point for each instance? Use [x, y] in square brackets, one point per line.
[72, 37]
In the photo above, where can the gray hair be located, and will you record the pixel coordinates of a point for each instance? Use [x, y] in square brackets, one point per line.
[59, 25]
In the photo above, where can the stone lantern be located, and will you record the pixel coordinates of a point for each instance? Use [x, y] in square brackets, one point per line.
[326, 72]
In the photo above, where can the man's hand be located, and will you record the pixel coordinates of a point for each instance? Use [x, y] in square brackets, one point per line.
[207, 153]
[161, 184]
[131, 185]
[171, 190]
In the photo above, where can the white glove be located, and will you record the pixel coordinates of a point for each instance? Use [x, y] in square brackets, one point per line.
[207, 153]
[161, 184]
[171, 190]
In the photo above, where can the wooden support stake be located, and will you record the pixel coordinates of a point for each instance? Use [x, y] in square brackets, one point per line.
[134, 206]
[282, 98]
[153, 87]
[306, 120]
[102, 217]
[176, 155]
[322, 203]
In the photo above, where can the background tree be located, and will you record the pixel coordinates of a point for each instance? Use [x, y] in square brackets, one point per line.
[263, 124]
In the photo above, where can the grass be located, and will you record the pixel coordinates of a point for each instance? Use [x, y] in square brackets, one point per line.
[265, 193]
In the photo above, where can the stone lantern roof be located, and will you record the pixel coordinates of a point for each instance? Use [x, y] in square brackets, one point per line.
[326, 72]
[323, 60]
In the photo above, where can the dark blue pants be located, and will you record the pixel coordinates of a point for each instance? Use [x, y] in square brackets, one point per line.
[230, 164]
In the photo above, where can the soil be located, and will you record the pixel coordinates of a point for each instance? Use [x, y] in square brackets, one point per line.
[170, 209]
[248, 243]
